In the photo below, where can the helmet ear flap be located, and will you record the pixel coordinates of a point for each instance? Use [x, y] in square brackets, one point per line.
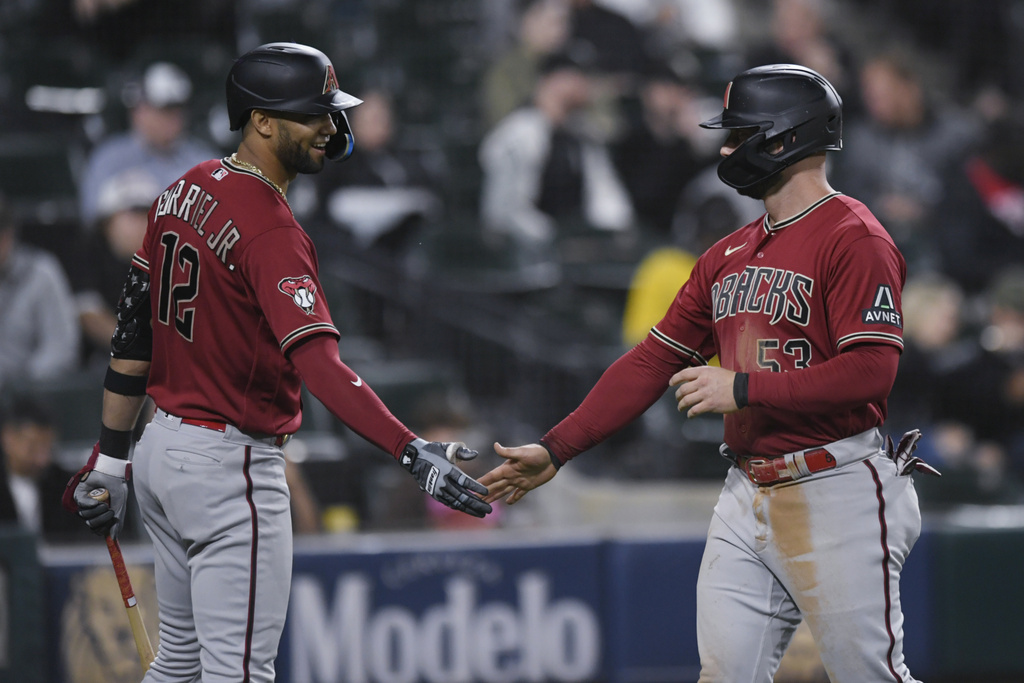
[341, 144]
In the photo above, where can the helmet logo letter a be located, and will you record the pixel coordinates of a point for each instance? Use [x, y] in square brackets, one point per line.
[330, 80]
[725, 99]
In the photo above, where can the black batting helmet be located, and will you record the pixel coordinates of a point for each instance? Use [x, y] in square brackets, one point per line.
[786, 103]
[294, 78]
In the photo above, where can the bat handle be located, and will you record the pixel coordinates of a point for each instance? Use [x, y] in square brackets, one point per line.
[124, 583]
[102, 495]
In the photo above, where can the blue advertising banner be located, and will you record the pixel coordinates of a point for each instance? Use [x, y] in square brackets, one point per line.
[442, 615]
[449, 608]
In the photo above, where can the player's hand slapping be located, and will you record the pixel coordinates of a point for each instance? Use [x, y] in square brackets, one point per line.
[525, 468]
[432, 463]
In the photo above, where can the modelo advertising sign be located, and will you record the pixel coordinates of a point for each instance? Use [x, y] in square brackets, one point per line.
[469, 615]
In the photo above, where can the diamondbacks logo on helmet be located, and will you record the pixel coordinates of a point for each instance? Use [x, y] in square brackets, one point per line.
[330, 80]
[725, 98]
[302, 290]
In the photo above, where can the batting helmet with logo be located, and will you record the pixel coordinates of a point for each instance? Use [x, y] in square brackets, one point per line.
[293, 78]
[795, 111]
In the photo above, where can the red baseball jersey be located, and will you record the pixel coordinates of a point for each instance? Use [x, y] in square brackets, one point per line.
[234, 284]
[775, 298]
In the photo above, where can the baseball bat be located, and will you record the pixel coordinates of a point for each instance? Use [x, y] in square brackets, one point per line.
[131, 605]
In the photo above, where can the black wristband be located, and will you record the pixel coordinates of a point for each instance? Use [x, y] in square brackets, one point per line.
[114, 443]
[126, 385]
[554, 459]
[740, 385]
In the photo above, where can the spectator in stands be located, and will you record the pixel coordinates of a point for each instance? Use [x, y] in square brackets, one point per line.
[384, 195]
[119, 28]
[709, 210]
[677, 26]
[655, 157]
[542, 173]
[615, 44]
[934, 342]
[979, 407]
[897, 158]
[799, 34]
[980, 221]
[39, 333]
[508, 83]
[98, 267]
[615, 49]
[158, 142]
[30, 480]
[705, 213]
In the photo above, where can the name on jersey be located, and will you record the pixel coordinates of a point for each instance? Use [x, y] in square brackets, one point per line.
[773, 292]
[195, 206]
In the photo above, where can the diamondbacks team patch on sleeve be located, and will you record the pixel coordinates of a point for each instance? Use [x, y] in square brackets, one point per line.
[883, 309]
[302, 290]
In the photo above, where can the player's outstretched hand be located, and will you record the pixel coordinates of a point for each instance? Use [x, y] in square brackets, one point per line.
[525, 468]
[704, 389]
[433, 465]
[105, 518]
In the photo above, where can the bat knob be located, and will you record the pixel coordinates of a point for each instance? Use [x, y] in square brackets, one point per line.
[102, 495]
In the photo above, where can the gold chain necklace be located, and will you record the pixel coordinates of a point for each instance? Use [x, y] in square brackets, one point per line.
[256, 169]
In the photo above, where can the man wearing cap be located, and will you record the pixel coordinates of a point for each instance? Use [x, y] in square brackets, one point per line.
[96, 268]
[157, 143]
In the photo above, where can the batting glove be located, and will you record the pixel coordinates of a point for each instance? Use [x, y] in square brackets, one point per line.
[432, 463]
[100, 472]
[903, 456]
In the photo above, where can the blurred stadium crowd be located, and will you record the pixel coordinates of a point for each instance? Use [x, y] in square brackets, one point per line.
[529, 189]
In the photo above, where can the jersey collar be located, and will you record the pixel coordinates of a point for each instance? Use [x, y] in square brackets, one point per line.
[769, 228]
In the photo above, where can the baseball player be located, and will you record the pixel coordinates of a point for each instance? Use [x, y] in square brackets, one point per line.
[802, 308]
[221, 321]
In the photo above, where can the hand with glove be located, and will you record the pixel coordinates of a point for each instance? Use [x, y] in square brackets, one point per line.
[903, 456]
[432, 463]
[100, 472]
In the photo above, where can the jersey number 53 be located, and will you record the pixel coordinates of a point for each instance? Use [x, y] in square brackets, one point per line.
[779, 356]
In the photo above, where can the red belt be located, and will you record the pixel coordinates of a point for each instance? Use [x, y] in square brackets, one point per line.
[222, 426]
[770, 471]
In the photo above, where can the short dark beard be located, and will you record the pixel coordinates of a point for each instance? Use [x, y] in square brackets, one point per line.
[293, 157]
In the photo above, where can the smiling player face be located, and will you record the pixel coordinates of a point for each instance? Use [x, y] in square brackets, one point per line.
[301, 141]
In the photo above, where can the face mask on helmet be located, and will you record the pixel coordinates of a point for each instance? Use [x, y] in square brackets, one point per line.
[341, 144]
[750, 169]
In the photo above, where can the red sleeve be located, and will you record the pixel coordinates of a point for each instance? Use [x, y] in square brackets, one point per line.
[627, 388]
[348, 397]
[281, 267]
[866, 373]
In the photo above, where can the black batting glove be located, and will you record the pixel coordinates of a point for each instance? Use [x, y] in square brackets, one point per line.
[432, 463]
[104, 517]
[903, 456]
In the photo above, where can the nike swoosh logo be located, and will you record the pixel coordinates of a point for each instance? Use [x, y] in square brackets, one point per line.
[358, 382]
[730, 250]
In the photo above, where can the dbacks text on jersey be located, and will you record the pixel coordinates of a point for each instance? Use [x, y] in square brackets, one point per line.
[774, 292]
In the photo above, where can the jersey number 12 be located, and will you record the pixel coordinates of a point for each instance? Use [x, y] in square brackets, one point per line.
[181, 265]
